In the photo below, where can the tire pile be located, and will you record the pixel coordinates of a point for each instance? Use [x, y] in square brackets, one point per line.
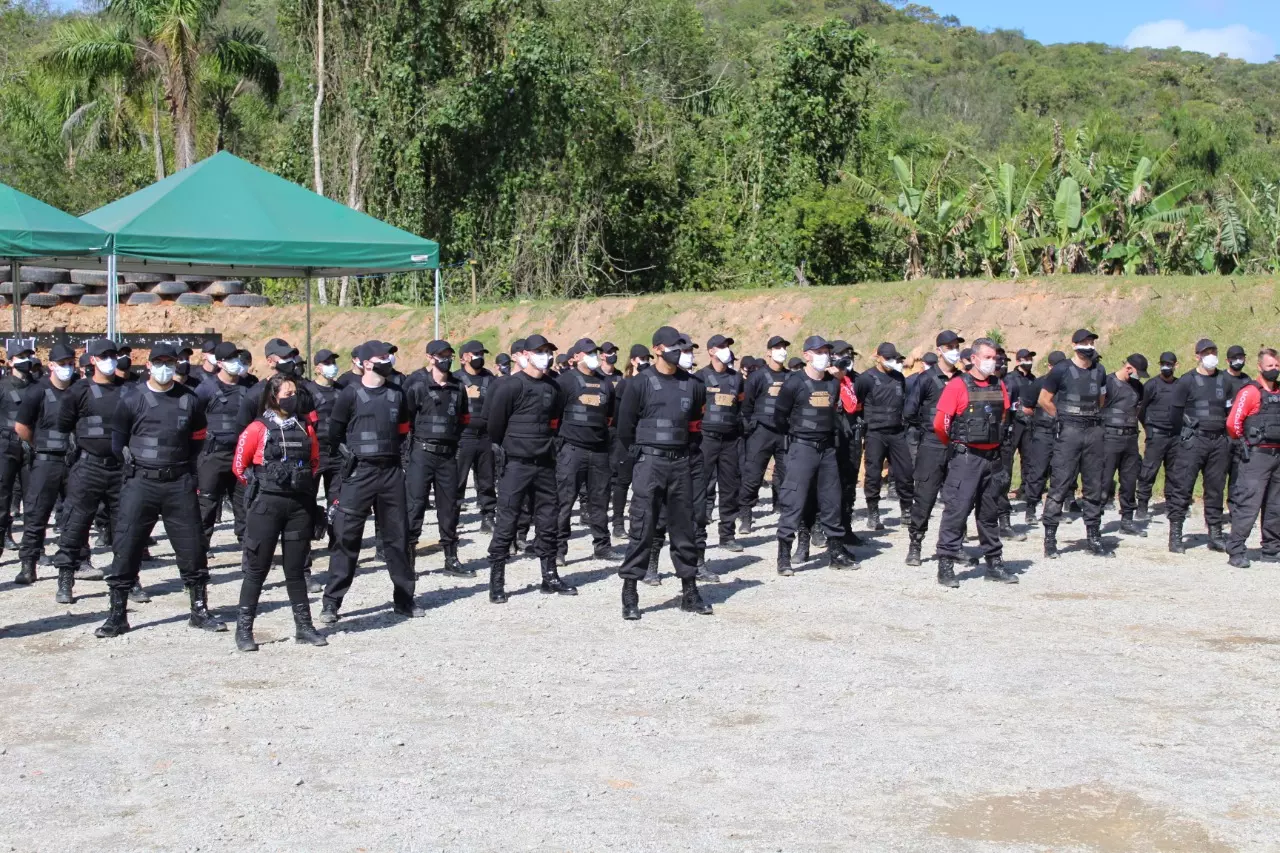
[44, 287]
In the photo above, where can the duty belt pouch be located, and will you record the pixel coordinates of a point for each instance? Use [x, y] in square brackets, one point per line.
[1189, 426]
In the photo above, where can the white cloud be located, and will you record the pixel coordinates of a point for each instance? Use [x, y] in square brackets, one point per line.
[1237, 41]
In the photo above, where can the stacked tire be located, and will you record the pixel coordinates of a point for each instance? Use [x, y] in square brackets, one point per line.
[44, 287]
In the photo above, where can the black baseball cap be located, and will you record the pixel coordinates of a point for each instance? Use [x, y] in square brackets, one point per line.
[17, 349]
[795, 363]
[519, 345]
[608, 348]
[85, 359]
[888, 350]
[163, 349]
[966, 354]
[61, 351]
[1082, 335]
[562, 358]
[667, 336]
[1025, 353]
[209, 345]
[1056, 357]
[639, 351]
[372, 349]
[583, 345]
[278, 347]
[719, 341]
[838, 347]
[777, 341]
[99, 347]
[324, 355]
[947, 337]
[392, 349]
[474, 347]
[930, 358]
[1236, 351]
[1204, 344]
[534, 342]
[503, 358]
[815, 342]
[1139, 361]
[748, 361]
[437, 347]
[225, 350]
[1168, 358]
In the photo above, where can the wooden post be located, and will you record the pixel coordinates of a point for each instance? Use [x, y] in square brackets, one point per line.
[473, 282]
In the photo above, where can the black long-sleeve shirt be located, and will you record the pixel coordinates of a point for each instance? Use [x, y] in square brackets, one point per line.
[1156, 408]
[519, 396]
[639, 401]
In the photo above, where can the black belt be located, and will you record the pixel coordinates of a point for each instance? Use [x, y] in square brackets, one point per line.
[1115, 430]
[893, 429]
[968, 450]
[532, 460]
[164, 475]
[379, 461]
[1210, 433]
[732, 435]
[100, 461]
[44, 456]
[815, 444]
[1160, 431]
[663, 452]
[1082, 421]
[439, 448]
[588, 448]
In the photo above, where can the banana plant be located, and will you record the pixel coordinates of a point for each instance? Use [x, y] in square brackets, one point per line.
[1010, 211]
[1262, 215]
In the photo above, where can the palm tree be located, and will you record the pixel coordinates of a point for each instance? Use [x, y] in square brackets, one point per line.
[238, 63]
[1011, 214]
[174, 42]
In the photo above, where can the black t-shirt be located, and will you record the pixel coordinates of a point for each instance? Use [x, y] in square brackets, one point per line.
[34, 413]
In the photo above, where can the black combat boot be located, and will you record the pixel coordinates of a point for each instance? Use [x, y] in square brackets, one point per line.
[729, 543]
[873, 517]
[1007, 531]
[651, 574]
[562, 557]
[86, 572]
[313, 585]
[27, 574]
[852, 539]
[1176, 545]
[1143, 514]
[603, 552]
[197, 595]
[1215, 539]
[244, 627]
[453, 566]
[102, 537]
[1030, 517]
[997, 572]
[328, 613]
[1239, 561]
[497, 581]
[137, 594]
[744, 520]
[118, 618]
[705, 574]
[404, 605]
[1051, 541]
[486, 522]
[784, 559]
[619, 530]
[947, 572]
[551, 582]
[1128, 527]
[839, 558]
[305, 633]
[1094, 543]
[913, 549]
[802, 545]
[818, 536]
[630, 600]
[691, 600]
[66, 581]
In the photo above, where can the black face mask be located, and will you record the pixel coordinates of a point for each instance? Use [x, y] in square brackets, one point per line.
[383, 368]
[289, 405]
[1271, 375]
[643, 366]
[1166, 370]
[477, 362]
[611, 359]
[123, 363]
[24, 367]
[671, 356]
[505, 369]
[1088, 354]
[1237, 365]
[184, 368]
[284, 368]
[444, 365]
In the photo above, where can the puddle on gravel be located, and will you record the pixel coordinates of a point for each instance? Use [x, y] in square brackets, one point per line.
[1098, 819]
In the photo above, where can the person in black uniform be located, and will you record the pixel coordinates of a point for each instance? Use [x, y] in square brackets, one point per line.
[851, 428]
[1019, 438]
[1237, 379]
[1120, 438]
[882, 392]
[621, 459]
[13, 468]
[524, 414]
[369, 423]
[1255, 421]
[1075, 392]
[277, 458]
[931, 457]
[283, 359]
[1156, 415]
[208, 368]
[156, 432]
[1199, 408]
[969, 418]
[221, 397]
[806, 416]
[37, 427]
[438, 412]
[658, 411]
[1041, 427]
[721, 437]
[322, 392]
[763, 441]
[916, 430]
[87, 411]
[583, 457]
[475, 450]
[352, 376]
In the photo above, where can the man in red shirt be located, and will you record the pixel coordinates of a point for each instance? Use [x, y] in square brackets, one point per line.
[970, 420]
[1255, 421]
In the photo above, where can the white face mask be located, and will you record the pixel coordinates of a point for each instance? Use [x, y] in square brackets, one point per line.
[987, 366]
[211, 360]
[541, 360]
[1209, 362]
[329, 371]
[820, 361]
[234, 367]
[951, 356]
[522, 361]
[162, 373]
[64, 372]
[686, 360]
[591, 360]
[106, 366]
[725, 355]
[779, 355]
[893, 365]
[392, 358]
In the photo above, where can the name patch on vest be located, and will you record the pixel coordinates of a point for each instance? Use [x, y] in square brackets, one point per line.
[589, 399]
[473, 391]
[819, 399]
[774, 389]
[725, 399]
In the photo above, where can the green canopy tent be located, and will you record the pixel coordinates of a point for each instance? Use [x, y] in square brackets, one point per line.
[224, 216]
[32, 231]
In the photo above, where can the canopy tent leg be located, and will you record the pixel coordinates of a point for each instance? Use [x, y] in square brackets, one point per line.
[437, 336]
[15, 273]
[308, 364]
[113, 297]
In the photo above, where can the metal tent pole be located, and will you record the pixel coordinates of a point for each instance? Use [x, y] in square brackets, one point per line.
[308, 364]
[113, 297]
[437, 336]
[15, 273]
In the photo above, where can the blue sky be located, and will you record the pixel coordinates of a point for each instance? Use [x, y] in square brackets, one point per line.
[1246, 29]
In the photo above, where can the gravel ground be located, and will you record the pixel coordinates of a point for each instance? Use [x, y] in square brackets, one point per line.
[1121, 705]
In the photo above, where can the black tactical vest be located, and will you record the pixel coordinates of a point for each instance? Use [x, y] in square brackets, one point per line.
[1121, 411]
[223, 413]
[162, 437]
[439, 421]
[1079, 390]
[1159, 413]
[477, 390]
[815, 412]
[723, 405]
[767, 407]
[286, 459]
[1206, 407]
[883, 406]
[102, 406]
[374, 429]
[669, 404]
[48, 439]
[982, 420]
[1263, 426]
[589, 405]
[10, 400]
[934, 381]
[323, 398]
[536, 424]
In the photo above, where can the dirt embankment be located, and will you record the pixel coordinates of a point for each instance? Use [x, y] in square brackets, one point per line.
[1141, 314]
